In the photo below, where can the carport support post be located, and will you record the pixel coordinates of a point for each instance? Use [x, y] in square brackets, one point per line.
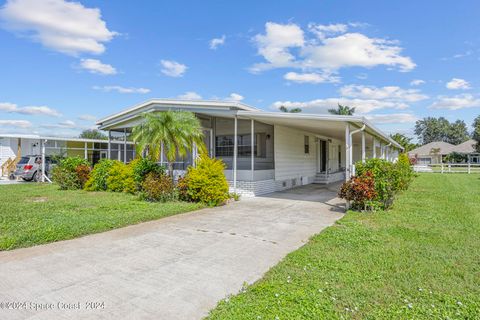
[124, 145]
[347, 152]
[85, 150]
[42, 145]
[235, 155]
[363, 146]
[109, 144]
[374, 150]
[252, 142]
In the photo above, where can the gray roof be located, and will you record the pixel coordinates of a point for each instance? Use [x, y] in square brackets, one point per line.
[466, 147]
[445, 148]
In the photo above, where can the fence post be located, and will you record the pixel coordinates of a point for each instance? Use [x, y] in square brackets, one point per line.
[442, 167]
[469, 168]
[449, 168]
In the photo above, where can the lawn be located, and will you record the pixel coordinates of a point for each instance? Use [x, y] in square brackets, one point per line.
[32, 214]
[420, 260]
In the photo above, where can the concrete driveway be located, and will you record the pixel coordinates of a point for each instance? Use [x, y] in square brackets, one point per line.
[174, 268]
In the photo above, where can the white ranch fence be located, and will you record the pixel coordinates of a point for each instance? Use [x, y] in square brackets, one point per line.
[448, 168]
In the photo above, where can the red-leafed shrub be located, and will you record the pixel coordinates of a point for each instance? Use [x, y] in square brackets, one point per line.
[83, 174]
[360, 190]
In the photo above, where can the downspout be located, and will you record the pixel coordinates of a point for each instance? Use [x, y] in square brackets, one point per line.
[352, 167]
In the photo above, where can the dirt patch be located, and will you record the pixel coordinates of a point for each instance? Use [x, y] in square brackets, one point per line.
[38, 199]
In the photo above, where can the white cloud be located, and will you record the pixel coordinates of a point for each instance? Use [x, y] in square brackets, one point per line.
[16, 123]
[87, 117]
[286, 46]
[29, 110]
[172, 68]
[275, 43]
[392, 118]
[121, 89]
[235, 97]
[63, 26]
[67, 124]
[355, 50]
[364, 99]
[216, 42]
[457, 83]
[417, 82]
[382, 93]
[322, 31]
[311, 77]
[457, 102]
[98, 67]
[190, 95]
[8, 107]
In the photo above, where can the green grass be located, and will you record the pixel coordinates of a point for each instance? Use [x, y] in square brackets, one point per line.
[32, 214]
[420, 260]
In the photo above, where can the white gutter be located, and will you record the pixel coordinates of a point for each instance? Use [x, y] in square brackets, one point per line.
[352, 170]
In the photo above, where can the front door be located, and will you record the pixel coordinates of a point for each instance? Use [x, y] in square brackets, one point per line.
[322, 156]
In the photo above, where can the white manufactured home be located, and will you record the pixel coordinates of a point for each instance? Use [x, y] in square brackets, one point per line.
[271, 151]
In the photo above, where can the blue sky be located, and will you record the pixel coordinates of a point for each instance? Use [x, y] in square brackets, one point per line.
[64, 64]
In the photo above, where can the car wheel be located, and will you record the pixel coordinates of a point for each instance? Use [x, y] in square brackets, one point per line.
[25, 179]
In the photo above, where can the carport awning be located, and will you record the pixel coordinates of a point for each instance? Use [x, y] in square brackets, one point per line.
[326, 125]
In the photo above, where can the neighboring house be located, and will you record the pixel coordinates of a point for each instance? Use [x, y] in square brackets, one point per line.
[435, 152]
[14, 146]
[270, 151]
[468, 147]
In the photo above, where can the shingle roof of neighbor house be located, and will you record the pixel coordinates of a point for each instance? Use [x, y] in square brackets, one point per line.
[466, 147]
[445, 148]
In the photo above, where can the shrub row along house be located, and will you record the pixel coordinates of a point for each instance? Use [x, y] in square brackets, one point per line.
[268, 151]
[438, 152]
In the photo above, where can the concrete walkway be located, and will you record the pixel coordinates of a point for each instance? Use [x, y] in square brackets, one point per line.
[174, 268]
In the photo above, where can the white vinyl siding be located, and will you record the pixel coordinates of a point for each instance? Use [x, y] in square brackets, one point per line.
[290, 158]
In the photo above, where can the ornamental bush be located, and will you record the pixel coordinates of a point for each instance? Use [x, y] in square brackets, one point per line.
[120, 178]
[143, 166]
[360, 190]
[71, 173]
[83, 174]
[206, 182]
[99, 175]
[388, 179]
[158, 187]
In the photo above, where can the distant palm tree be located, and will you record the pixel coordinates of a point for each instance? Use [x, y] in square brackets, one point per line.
[342, 110]
[293, 110]
[178, 131]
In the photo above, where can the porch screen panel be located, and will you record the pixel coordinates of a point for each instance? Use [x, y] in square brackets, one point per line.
[264, 155]
[224, 143]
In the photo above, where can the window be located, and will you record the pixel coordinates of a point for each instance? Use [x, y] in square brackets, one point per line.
[307, 144]
[224, 146]
[339, 156]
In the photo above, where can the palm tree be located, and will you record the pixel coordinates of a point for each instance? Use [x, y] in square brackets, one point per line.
[404, 141]
[342, 110]
[177, 131]
[293, 110]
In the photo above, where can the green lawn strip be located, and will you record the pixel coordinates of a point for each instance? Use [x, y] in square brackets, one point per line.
[420, 260]
[32, 214]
